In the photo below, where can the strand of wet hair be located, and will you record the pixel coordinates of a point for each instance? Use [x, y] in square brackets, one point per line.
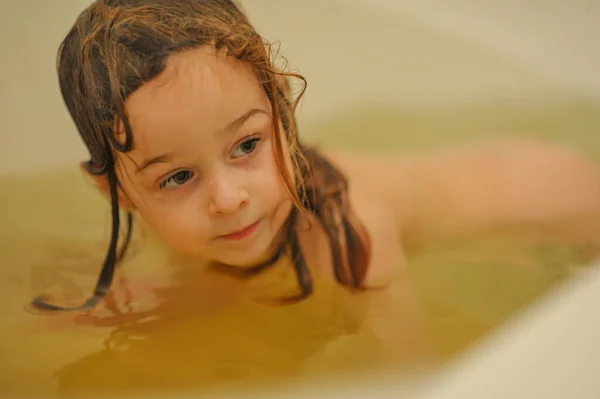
[107, 273]
[303, 274]
[325, 194]
[327, 198]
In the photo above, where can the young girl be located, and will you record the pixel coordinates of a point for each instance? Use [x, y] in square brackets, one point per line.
[190, 127]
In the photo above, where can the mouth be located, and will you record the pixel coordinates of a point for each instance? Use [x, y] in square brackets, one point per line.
[242, 233]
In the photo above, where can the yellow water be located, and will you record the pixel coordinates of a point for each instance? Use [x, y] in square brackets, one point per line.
[163, 330]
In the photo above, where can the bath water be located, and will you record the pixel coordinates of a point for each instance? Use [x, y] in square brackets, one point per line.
[161, 331]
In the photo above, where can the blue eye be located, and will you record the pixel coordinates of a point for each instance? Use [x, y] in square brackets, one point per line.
[246, 148]
[177, 179]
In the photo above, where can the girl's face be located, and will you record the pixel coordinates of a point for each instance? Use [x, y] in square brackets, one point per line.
[202, 171]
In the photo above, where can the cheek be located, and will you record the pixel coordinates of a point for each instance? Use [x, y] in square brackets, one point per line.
[267, 181]
[180, 225]
[177, 220]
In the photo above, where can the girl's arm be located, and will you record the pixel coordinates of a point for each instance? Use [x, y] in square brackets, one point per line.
[525, 185]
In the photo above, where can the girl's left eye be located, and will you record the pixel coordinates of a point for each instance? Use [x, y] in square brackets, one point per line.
[245, 148]
[176, 180]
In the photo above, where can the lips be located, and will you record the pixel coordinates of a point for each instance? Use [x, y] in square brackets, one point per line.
[243, 233]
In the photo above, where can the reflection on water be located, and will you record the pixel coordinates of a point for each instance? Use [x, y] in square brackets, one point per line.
[171, 324]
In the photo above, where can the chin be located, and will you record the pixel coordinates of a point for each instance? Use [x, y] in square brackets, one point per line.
[256, 249]
[255, 252]
[245, 259]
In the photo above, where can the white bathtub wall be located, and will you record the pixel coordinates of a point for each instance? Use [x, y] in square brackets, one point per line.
[412, 53]
[37, 132]
[554, 39]
[551, 351]
[424, 53]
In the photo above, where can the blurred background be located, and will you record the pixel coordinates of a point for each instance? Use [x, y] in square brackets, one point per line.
[406, 60]
[402, 76]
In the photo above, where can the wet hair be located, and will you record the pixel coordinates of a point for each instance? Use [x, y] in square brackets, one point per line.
[117, 45]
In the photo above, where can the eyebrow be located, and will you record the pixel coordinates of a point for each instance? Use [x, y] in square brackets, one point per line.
[230, 127]
[238, 122]
[155, 160]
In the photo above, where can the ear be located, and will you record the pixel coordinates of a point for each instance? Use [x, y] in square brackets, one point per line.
[101, 183]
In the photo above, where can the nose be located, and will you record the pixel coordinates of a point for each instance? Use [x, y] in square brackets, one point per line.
[226, 197]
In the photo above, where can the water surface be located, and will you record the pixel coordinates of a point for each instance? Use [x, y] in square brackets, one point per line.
[162, 330]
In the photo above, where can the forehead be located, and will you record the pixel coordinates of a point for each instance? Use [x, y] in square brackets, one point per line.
[199, 91]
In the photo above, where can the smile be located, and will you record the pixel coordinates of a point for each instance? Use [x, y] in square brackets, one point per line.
[243, 233]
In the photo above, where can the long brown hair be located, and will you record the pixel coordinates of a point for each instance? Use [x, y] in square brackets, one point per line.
[117, 45]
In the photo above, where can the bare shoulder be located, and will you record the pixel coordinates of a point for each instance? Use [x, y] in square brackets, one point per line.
[375, 211]
[370, 174]
[380, 183]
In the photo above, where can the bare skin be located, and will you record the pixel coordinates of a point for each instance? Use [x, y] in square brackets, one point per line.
[216, 179]
[548, 191]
